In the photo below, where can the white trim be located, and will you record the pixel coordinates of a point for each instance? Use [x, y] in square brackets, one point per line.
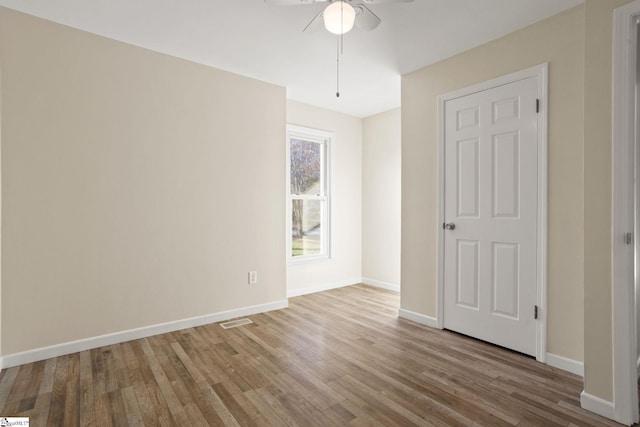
[0, 218]
[596, 405]
[440, 218]
[381, 284]
[541, 73]
[625, 392]
[638, 366]
[422, 319]
[543, 95]
[565, 364]
[291, 293]
[326, 139]
[133, 334]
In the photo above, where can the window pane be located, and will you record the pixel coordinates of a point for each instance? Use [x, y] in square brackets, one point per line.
[306, 227]
[306, 166]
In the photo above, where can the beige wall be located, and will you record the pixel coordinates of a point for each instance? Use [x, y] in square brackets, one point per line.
[137, 188]
[559, 41]
[344, 267]
[122, 170]
[597, 197]
[381, 172]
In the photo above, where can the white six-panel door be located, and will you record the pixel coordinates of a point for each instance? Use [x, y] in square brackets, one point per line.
[490, 211]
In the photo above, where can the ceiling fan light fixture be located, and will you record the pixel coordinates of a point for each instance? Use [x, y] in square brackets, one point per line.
[339, 17]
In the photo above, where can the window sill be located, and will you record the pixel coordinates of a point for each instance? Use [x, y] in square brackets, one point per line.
[310, 260]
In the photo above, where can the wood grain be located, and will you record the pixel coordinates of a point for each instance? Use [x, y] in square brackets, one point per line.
[335, 358]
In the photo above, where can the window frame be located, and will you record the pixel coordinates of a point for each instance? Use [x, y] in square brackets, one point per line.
[325, 139]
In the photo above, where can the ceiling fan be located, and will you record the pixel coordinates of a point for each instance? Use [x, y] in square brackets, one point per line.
[340, 16]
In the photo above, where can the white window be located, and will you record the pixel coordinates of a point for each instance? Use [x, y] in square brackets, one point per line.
[308, 202]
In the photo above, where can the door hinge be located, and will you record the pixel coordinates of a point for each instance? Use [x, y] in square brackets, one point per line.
[628, 238]
[537, 105]
[535, 311]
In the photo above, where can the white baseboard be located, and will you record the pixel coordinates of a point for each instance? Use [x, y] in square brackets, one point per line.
[554, 360]
[418, 318]
[565, 364]
[133, 334]
[597, 405]
[380, 284]
[323, 287]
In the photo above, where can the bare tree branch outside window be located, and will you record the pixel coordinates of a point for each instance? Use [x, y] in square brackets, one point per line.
[306, 180]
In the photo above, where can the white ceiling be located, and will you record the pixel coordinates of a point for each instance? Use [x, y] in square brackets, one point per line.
[266, 42]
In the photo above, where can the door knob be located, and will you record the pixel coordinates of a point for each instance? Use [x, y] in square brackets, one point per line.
[449, 226]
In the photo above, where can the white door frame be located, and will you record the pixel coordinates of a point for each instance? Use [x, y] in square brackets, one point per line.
[1, 367]
[625, 392]
[540, 72]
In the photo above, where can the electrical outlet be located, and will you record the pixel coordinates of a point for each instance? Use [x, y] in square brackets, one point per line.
[253, 277]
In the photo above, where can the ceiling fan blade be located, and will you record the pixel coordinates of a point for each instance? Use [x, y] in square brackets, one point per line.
[365, 18]
[292, 2]
[315, 23]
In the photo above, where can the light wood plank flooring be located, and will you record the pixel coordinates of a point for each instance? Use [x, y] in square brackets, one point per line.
[334, 358]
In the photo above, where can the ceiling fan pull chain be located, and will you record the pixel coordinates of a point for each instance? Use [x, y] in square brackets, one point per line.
[338, 67]
[341, 27]
[339, 50]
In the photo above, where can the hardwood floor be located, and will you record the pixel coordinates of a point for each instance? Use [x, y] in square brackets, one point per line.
[334, 358]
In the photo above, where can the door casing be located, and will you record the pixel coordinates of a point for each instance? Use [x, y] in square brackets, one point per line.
[625, 369]
[540, 72]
